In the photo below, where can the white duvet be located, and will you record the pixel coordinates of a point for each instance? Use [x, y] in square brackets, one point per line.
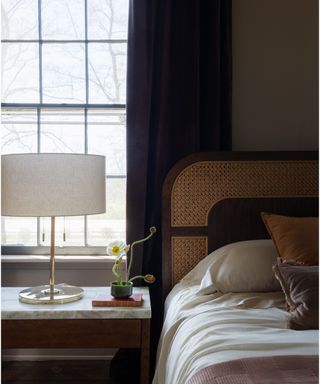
[200, 330]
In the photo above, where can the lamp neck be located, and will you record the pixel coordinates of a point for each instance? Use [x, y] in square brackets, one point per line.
[52, 242]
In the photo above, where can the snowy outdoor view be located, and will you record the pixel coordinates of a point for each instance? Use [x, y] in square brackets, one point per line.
[64, 90]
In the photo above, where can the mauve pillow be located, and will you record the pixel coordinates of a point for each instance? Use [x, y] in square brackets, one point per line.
[300, 284]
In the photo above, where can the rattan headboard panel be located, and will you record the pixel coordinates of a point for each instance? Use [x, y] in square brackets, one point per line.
[198, 182]
[188, 251]
[202, 184]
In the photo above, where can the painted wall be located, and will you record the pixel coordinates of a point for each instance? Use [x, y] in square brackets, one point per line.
[275, 74]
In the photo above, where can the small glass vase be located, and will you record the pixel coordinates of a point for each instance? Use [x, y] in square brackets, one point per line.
[122, 291]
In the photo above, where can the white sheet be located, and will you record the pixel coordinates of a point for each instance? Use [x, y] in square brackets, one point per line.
[200, 330]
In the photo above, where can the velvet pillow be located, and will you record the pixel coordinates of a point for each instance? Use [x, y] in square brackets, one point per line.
[296, 238]
[300, 286]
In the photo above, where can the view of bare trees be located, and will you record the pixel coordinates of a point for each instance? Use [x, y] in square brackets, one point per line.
[67, 58]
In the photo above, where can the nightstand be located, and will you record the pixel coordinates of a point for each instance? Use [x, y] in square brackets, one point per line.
[77, 325]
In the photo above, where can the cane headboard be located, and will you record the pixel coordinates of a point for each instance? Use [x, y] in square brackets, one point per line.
[212, 199]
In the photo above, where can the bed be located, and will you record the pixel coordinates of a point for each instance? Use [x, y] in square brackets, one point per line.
[226, 313]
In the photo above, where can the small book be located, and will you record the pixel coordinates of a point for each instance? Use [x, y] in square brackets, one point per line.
[106, 300]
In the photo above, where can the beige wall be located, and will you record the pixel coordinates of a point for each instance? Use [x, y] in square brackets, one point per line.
[275, 74]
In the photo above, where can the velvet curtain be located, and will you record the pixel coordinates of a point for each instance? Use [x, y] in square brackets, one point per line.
[178, 102]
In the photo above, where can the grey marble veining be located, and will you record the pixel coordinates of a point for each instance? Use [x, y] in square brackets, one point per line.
[13, 309]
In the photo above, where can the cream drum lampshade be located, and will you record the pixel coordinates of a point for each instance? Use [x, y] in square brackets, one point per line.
[52, 185]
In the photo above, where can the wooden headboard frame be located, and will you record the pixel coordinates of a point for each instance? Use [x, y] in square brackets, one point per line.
[201, 185]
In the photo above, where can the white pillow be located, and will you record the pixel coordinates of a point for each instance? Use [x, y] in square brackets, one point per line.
[245, 266]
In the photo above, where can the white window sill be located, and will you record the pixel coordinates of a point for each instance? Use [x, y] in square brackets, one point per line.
[61, 262]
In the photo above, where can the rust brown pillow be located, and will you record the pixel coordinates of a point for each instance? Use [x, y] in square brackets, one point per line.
[300, 286]
[296, 238]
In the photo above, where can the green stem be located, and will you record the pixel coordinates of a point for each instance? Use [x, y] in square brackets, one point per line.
[116, 269]
[136, 277]
[115, 272]
[131, 252]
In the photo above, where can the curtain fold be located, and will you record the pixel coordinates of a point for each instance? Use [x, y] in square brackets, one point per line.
[178, 103]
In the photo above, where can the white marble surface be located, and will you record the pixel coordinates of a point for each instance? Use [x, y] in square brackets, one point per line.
[12, 308]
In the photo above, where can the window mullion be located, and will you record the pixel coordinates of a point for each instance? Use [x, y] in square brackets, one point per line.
[86, 50]
[40, 99]
[63, 106]
[87, 101]
[38, 150]
[40, 50]
[85, 151]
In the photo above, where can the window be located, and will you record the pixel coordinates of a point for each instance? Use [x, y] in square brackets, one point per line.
[64, 90]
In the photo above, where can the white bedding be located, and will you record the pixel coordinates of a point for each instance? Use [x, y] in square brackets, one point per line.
[200, 330]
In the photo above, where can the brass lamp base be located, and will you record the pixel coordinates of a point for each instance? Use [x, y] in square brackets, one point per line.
[62, 293]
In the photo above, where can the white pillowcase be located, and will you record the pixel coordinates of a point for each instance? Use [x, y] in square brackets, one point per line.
[245, 266]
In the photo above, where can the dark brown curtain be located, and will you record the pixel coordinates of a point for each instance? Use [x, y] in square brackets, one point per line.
[178, 102]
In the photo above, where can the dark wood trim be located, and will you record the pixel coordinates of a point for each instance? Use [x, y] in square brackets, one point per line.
[113, 333]
[56, 372]
[166, 235]
[86, 333]
[145, 351]
[167, 230]
[189, 231]
[242, 217]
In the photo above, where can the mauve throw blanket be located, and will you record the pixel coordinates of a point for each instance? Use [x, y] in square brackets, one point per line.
[261, 370]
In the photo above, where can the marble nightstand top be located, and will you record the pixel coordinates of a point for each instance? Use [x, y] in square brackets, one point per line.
[13, 309]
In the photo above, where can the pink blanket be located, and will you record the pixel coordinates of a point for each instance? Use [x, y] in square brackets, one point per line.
[261, 370]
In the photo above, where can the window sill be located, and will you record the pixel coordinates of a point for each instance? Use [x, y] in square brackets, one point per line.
[61, 262]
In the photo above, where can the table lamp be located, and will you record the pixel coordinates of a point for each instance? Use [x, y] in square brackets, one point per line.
[50, 184]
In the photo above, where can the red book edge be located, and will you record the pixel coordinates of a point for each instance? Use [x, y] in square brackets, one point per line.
[104, 299]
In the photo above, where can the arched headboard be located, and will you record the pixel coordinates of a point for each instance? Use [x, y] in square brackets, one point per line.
[211, 199]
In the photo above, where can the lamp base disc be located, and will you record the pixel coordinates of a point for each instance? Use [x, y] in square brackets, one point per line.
[62, 293]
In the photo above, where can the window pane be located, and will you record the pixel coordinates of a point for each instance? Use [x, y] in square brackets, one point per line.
[107, 73]
[63, 73]
[111, 225]
[20, 73]
[19, 231]
[63, 19]
[73, 227]
[108, 19]
[19, 19]
[64, 80]
[107, 136]
[62, 131]
[19, 131]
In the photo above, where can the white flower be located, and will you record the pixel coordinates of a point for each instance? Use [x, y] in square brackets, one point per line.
[116, 248]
